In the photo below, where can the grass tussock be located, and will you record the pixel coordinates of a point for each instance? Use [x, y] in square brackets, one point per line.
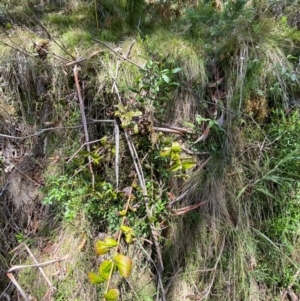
[165, 45]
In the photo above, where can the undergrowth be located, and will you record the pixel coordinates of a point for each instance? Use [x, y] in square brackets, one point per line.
[205, 100]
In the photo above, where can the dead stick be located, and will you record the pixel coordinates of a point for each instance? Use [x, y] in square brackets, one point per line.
[84, 123]
[17, 285]
[39, 267]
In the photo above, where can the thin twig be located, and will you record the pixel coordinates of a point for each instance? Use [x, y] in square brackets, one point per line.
[40, 132]
[16, 48]
[117, 141]
[25, 175]
[50, 37]
[130, 48]
[96, 14]
[168, 285]
[120, 55]
[55, 55]
[5, 295]
[36, 265]
[80, 148]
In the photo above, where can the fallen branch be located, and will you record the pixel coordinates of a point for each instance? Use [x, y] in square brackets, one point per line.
[167, 130]
[17, 285]
[36, 264]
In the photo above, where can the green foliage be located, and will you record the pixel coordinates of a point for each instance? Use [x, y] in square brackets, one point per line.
[280, 184]
[119, 262]
[208, 22]
[177, 161]
[154, 86]
[71, 195]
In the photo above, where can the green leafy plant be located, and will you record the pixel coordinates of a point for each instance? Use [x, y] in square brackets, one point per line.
[177, 161]
[154, 85]
[119, 262]
[74, 194]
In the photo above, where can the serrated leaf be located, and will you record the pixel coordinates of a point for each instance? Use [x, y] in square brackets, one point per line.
[176, 70]
[95, 278]
[112, 295]
[123, 264]
[105, 268]
[102, 247]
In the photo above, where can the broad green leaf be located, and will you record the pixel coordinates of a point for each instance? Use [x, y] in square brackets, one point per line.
[105, 268]
[102, 247]
[166, 78]
[175, 70]
[147, 298]
[123, 264]
[126, 229]
[176, 148]
[112, 295]
[95, 156]
[188, 164]
[95, 278]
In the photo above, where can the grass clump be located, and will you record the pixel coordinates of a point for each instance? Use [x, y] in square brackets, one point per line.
[165, 45]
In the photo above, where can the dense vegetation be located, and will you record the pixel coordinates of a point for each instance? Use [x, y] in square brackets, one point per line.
[162, 136]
